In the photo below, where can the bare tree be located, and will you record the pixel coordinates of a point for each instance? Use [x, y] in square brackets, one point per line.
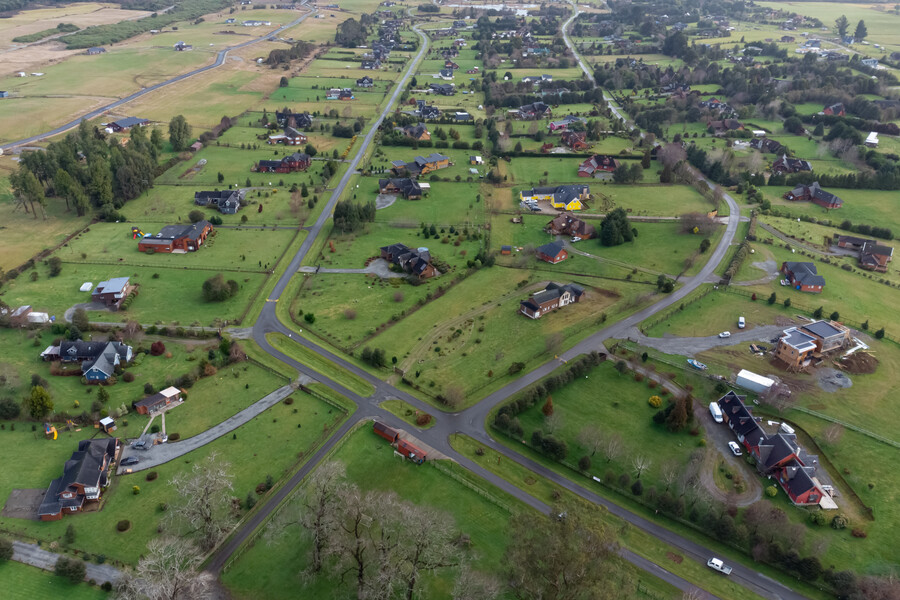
[612, 447]
[833, 433]
[553, 342]
[553, 422]
[671, 154]
[204, 501]
[427, 543]
[166, 572]
[693, 594]
[454, 396]
[669, 473]
[474, 585]
[640, 463]
[591, 438]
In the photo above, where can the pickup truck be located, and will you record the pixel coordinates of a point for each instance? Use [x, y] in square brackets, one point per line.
[718, 565]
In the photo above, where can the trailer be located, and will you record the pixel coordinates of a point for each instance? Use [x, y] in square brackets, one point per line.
[753, 382]
[386, 432]
[411, 452]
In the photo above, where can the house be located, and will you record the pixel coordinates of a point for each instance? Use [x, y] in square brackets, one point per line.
[449, 64]
[836, 110]
[85, 474]
[177, 238]
[872, 255]
[815, 194]
[290, 137]
[472, 71]
[339, 94]
[227, 201]
[196, 146]
[505, 250]
[553, 253]
[4, 94]
[127, 123]
[421, 165]
[798, 345]
[542, 79]
[112, 293]
[872, 139]
[713, 104]
[476, 160]
[803, 276]
[414, 262]
[290, 119]
[461, 116]
[426, 111]
[550, 298]
[365, 82]
[157, 401]
[562, 197]
[785, 164]
[406, 187]
[535, 110]
[566, 224]
[370, 65]
[182, 47]
[416, 132]
[95, 50]
[564, 123]
[576, 140]
[24, 316]
[98, 359]
[442, 89]
[298, 161]
[766, 145]
[872, 63]
[724, 126]
[599, 163]
[446, 74]
[787, 39]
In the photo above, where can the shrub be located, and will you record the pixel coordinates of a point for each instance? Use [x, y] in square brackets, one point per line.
[71, 568]
[174, 437]
[423, 419]
[157, 349]
[858, 533]
[655, 401]
[638, 377]
[123, 525]
[152, 475]
[817, 518]
[128, 377]
[289, 400]
[216, 289]
[637, 488]
[6, 550]
[135, 490]
[584, 463]
[106, 587]
[840, 522]
[771, 491]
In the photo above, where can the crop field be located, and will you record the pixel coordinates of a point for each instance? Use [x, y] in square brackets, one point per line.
[273, 568]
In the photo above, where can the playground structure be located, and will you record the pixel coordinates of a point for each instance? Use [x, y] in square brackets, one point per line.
[49, 430]
[136, 233]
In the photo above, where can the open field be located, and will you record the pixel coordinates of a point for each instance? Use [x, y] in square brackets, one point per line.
[320, 364]
[884, 28]
[24, 236]
[873, 207]
[26, 583]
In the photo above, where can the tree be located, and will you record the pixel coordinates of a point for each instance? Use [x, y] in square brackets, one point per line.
[547, 409]
[787, 302]
[72, 569]
[645, 160]
[640, 463]
[156, 138]
[705, 243]
[564, 557]
[9, 409]
[590, 438]
[615, 228]
[473, 585]
[216, 289]
[879, 334]
[203, 502]
[196, 216]
[584, 463]
[26, 188]
[678, 417]
[102, 395]
[817, 314]
[179, 133]
[612, 447]
[773, 298]
[80, 319]
[637, 488]
[835, 316]
[427, 543]
[71, 191]
[284, 82]
[841, 25]
[861, 31]
[6, 550]
[166, 572]
[793, 125]
[39, 402]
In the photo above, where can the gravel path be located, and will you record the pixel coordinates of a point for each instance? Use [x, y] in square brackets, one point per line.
[379, 267]
[31, 554]
[690, 346]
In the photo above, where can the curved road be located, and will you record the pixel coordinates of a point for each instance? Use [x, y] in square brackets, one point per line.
[220, 60]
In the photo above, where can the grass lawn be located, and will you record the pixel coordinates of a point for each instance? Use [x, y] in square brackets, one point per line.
[24, 236]
[872, 207]
[273, 567]
[24, 582]
[653, 200]
[154, 302]
[446, 204]
[406, 412]
[316, 362]
[271, 444]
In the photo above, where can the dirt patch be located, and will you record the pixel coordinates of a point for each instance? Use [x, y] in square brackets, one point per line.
[23, 504]
[675, 558]
[784, 321]
[832, 380]
[530, 480]
[858, 363]
[384, 200]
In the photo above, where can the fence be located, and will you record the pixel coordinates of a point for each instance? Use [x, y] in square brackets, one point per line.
[475, 488]
[846, 425]
[646, 325]
[265, 367]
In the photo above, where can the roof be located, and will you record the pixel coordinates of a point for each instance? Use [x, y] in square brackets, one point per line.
[776, 448]
[129, 122]
[551, 249]
[115, 285]
[177, 232]
[84, 468]
[798, 340]
[751, 376]
[805, 273]
[798, 480]
[823, 329]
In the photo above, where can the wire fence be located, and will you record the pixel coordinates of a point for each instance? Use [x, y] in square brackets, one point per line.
[471, 485]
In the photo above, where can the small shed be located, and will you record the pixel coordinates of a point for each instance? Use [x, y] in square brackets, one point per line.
[505, 249]
[38, 317]
[86, 286]
[386, 432]
[107, 424]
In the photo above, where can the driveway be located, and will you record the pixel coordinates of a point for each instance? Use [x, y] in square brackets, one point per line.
[67, 316]
[31, 554]
[378, 267]
[690, 346]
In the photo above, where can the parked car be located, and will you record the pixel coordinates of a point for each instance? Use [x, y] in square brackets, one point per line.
[741, 323]
[718, 565]
[139, 445]
[725, 334]
[130, 460]
[735, 449]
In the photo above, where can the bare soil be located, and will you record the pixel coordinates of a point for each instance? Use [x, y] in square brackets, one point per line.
[858, 363]
[23, 504]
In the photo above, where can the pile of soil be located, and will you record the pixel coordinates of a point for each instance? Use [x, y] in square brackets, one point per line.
[859, 363]
[832, 380]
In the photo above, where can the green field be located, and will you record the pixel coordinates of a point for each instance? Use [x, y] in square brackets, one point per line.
[23, 582]
[872, 207]
[318, 363]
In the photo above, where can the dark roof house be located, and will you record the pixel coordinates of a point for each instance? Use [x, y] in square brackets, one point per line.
[815, 194]
[803, 276]
[85, 474]
[227, 201]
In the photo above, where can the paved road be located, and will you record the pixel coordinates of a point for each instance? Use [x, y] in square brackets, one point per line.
[379, 267]
[220, 60]
[565, 32]
[31, 554]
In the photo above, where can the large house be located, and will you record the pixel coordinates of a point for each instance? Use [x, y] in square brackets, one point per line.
[226, 201]
[798, 345]
[785, 164]
[872, 255]
[599, 163]
[415, 262]
[566, 224]
[98, 359]
[421, 165]
[287, 118]
[290, 137]
[298, 161]
[576, 140]
[564, 123]
[803, 276]
[417, 132]
[84, 476]
[127, 123]
[724, 126]
[553, 253]
[406, 187]
[442, 89]
[777, 455]
[533, 111]
[836, 110]
[365, 82]
[339, 94]
[768, 145]
[157, 401]
[562, 197]
[112, 293]
[550, 298]
[177, 238]
[427, 111]
[815, 194]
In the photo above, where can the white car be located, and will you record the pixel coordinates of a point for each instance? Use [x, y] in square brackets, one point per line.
[741, 323]
[735, 449]
[725, 334]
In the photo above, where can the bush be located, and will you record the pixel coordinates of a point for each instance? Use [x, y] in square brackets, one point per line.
[637, 488]
[584, 463]
[817, 518]
[157, 349]
[174, 437]
[840, 522]
[423, 419]
[9, 409]
[216, 289]
[289, 400]
[152, 475]
[123, 525]
[6, 550]
[858, 533]
[135, 489]
[106, 587]
[128, 377]
[771, 491]
[654, 401]
[71, 568]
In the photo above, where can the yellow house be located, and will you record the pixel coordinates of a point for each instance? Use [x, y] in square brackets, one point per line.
[562, 197]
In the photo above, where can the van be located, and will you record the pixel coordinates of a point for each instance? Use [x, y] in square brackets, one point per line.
[715, 411]
[741, 323]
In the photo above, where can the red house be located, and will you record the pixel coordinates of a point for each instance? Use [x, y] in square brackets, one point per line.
[157, 401]
[598, 163]
[576, 140]
[803, 276]
[298, 161]
[553, 253]
[177, 238]
[386, 432]
[836, 110]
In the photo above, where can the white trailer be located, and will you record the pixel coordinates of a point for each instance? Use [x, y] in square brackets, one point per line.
[753, 382]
